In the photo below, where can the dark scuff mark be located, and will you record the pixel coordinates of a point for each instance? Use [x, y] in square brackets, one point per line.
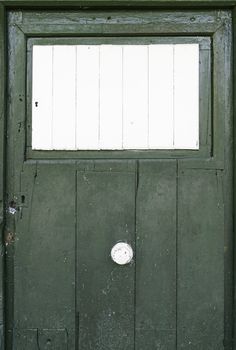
[9, 238]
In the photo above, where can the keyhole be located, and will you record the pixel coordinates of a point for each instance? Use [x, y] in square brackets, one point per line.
[36, 104]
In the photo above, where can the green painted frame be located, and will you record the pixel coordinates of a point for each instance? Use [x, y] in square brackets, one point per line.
[34, 26]
[72, 4]
[205, 147]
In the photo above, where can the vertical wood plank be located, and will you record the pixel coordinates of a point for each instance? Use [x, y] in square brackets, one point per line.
[42, 90]
[110, 135]
[106, 215]
[161, 122]
[17, 108]
[135, 97]
[44, 260]
[156, 256]
[2, 164]
[16, 89]
[186, 96]
[233, 77]
[87, 124]
[200, 284]
[225, 77]
[64, 94]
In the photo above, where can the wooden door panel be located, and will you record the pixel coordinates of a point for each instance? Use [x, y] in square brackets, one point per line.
[156, 255]
[63, 289]
[44, 257]
[105, 290]
[200, 245]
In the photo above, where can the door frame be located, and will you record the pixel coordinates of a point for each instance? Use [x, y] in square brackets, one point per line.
[102, 4]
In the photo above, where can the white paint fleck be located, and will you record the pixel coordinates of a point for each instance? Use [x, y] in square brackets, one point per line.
[12, 210]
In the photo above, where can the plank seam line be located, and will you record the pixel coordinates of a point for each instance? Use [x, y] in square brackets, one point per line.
[135, 246]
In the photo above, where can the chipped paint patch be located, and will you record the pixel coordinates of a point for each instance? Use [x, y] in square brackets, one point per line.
[12, 210]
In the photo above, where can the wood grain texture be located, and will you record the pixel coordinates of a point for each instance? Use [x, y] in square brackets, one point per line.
[2, 166]
[228, 185]
[233, 128]
[45, 249]
[15, 138]
[120, 3]
[112, 17]
[106, 215]
[43, 339]
[156, 256]
[118, 22]
[200, 182]
[200, 259]
[2, 108]
[17, 109]
[44, 260]
[26, 339]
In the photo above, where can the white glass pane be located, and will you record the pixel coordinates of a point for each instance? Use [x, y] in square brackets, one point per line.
[161, 121]
[186, 96]
[92, 97]
[42, 98]
[135, 97]
[110, 135]
[87, 97]
[64, 114]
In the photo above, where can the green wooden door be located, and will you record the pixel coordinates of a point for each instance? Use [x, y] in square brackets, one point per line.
[67, 209]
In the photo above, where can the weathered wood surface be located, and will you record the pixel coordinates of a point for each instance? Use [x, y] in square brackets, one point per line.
[95, 22]
[156, 256]
[44, 255]
[105, 291]
[200, 260]
[2, 167]
[122, 3]
[133, 17]
[119, 22]
[194, 224]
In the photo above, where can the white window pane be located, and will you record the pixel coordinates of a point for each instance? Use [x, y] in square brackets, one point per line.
[110, 135]
[87, 97]
[64, 97]
[42, 98]
[93, 97]
[186, 96]
[135, 97]
[161, 122]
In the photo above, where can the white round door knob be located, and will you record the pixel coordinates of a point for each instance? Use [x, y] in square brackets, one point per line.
[122, 253]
